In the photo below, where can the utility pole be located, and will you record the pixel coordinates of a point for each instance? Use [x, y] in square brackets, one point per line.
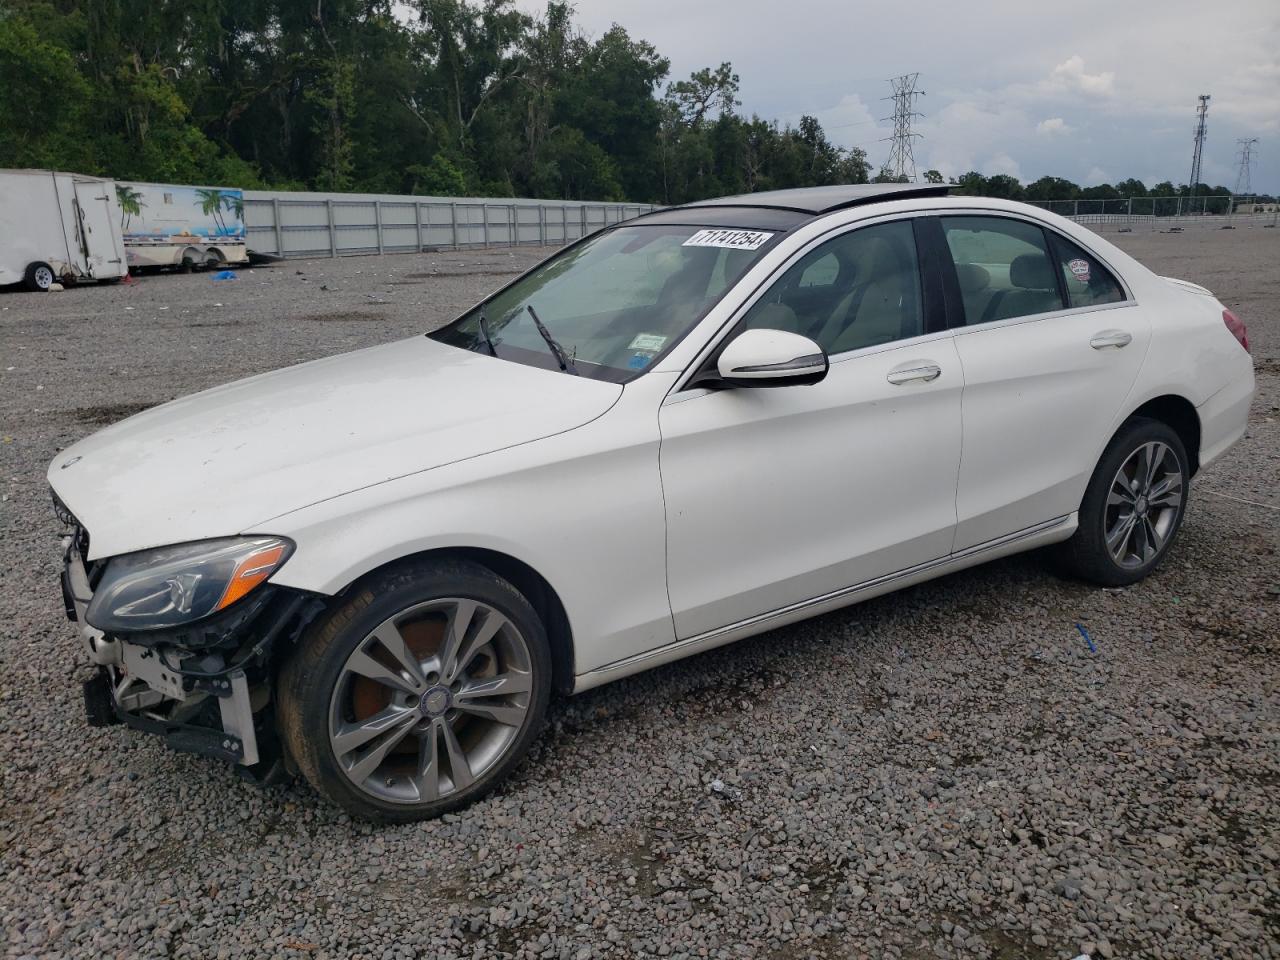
[1244, 178]
[1201, 111]
[902, 162]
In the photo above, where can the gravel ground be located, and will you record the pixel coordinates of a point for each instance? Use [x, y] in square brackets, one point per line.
[948, 771]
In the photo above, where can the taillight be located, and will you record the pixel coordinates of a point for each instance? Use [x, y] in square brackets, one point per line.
[1236, 327]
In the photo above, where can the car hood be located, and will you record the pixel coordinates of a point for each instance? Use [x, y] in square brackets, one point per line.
[237, 456]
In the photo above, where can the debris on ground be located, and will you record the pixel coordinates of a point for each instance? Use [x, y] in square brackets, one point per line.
[1087, 639]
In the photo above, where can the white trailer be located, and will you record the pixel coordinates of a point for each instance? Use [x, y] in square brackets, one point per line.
[58, 227]
[173, 225]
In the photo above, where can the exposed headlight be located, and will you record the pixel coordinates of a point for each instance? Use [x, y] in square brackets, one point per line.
[171, 586]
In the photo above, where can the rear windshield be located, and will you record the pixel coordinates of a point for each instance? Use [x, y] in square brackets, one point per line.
[614, 303]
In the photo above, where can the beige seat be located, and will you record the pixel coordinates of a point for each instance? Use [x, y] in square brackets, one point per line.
[884, 307]
[975, 290]
[1035, 290]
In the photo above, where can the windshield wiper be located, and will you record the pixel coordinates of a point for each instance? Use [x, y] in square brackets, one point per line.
[558, 351]
[484, 332]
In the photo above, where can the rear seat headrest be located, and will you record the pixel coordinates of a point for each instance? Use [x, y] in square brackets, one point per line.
[973, 278]
[1031, 271]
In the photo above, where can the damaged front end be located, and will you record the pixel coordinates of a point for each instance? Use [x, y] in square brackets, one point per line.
[205, 685]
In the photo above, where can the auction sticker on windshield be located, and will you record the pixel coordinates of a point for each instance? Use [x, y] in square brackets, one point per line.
[648, 341]
[734, 239]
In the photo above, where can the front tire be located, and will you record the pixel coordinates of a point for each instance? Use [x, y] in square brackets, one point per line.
[38, 277]
[1133, 507]
[418, 692]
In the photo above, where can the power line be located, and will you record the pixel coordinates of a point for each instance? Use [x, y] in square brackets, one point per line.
[902, 161]
[1201, 111]
[1244, 178]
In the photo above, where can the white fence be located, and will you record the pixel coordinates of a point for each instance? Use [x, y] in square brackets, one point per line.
[1162, 213]
[289, 224]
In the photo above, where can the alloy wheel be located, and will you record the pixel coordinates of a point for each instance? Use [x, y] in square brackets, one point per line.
[43, 277]
[1143, 504]
[430, 700]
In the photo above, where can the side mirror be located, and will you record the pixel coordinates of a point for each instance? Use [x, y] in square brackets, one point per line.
[771, 358]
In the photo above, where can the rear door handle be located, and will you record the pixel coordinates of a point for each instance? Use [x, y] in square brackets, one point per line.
[913, 371]
[1110, 338]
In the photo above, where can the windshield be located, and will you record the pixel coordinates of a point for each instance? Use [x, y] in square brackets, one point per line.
[612, 304]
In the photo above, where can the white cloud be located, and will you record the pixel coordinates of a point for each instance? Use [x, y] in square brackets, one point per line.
[1097, 175]
[1054, 126]
[1126, 105]
[849, 121]
[1002, 163]
[1071, 77]
[963, 135]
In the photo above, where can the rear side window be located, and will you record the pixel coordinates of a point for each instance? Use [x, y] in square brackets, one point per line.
[1004, 268]
[1087, 281]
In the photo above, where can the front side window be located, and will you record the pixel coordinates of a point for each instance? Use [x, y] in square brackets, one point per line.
[856, 290]
[614, 302]
[1088, 282]
[1003, 266]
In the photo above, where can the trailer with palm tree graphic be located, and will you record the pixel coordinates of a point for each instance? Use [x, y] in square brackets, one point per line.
[170, 225]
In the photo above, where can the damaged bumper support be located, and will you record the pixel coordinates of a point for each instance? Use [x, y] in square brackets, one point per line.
[203, 689]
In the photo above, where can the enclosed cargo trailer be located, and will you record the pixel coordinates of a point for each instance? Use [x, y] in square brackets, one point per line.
[58, 227]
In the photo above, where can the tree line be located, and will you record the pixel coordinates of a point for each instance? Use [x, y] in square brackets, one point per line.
[1059, 190]
[427, 97]
[448, 97]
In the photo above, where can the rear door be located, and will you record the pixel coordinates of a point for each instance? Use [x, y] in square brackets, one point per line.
[779, 496]
[1051, 346]
[98, 231]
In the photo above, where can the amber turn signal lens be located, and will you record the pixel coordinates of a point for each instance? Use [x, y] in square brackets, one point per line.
[250, 572]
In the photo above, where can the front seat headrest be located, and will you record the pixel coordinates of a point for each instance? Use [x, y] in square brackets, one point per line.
[1031, 271]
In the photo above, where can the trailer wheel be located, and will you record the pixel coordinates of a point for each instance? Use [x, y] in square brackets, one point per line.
[39, 277]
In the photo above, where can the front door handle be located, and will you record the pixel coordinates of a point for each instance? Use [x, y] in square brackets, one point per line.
[1110, 338]
[913, 371]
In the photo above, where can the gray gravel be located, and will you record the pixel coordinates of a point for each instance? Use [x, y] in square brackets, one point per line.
[944, 772]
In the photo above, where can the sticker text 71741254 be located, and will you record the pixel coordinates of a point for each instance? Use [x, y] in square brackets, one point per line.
[733, 239]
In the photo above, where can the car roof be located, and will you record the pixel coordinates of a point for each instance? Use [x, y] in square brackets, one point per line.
[819, 200]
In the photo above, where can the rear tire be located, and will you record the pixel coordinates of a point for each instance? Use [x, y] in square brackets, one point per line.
[418, 692]
[1133, 507]
[39, 277]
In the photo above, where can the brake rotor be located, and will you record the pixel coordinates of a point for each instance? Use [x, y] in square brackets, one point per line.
[423, 638]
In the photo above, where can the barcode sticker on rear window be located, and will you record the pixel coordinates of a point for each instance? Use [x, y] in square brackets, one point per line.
[734, 239]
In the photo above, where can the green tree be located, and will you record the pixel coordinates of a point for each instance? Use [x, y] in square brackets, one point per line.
[972, 184]
[42, 104]
[1051, 189]
[1003, 186]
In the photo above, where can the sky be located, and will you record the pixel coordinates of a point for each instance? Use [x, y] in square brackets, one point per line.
[1091, 90]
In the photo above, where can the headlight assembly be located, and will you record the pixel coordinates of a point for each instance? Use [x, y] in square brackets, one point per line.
[171, 586]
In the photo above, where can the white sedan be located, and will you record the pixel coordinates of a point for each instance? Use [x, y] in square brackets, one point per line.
[375, 569]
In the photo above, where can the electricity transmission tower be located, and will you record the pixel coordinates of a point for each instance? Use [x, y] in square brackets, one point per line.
[1201, 111]
[902, 162]
[1244, 179]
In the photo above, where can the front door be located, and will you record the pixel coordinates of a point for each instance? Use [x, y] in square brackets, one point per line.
[775, 496]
